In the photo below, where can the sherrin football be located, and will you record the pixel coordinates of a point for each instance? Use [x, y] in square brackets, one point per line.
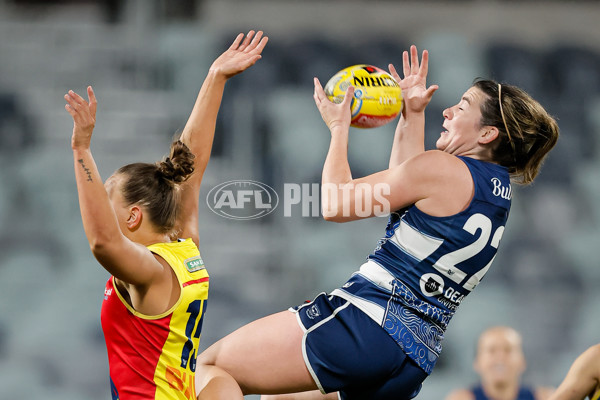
[377, 96]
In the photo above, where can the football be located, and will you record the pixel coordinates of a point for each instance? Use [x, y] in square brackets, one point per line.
[377, 96]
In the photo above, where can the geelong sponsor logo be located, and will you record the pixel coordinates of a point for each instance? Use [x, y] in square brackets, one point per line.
[242, 199]
[502, 191]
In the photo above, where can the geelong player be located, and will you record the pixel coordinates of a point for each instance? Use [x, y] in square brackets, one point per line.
[380, 334]
[142, 226]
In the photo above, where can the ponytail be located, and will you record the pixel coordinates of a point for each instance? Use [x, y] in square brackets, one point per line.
[156, 186]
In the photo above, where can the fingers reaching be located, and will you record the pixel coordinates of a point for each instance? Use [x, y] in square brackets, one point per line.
[348, 96]
[257, 44]
[415, 92]
[84, 117]
[414, 60]
[319, 93]
[249, 42]
[244, 52]
[77, 103]
[92, 100]
[70, 109]
[82, 111]
[393, 72]
[76, 99]
[431, 90]
[236, 42]
[261, 45]
[255, 41]
[405, 64]
[333, 114]
[424, 69]
[73, 104]
[411, 65]
[246, 41]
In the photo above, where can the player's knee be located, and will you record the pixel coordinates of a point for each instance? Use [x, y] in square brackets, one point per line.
[214, 383]
[205, 358]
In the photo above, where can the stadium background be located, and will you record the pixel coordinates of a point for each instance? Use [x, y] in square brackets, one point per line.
[146, 60]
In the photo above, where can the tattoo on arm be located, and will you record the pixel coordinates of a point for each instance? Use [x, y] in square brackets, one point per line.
[86, 169]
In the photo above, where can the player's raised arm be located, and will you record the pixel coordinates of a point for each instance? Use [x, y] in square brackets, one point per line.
[120, 256]
[410, 131]
[425, 176]
[199, 130]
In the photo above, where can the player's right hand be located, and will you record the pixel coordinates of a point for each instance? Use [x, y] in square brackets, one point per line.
[241, 55]
[334, 115]
[84, 117]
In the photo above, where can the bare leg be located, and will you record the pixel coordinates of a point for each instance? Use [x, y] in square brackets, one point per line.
[264, 356]
[312, 395]
[216, 384]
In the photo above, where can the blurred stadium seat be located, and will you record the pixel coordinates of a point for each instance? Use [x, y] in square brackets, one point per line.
[516, 64]
[147, 71]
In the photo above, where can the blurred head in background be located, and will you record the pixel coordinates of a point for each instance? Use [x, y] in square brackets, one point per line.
[499, 360]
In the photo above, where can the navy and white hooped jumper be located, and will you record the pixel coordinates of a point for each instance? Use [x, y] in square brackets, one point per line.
[424, 266]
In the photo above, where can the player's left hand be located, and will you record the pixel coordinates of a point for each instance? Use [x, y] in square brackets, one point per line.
[334, 115]
[84, 117]
[241, 55]
[415, 92]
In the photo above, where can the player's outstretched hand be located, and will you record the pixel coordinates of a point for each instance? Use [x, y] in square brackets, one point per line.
[334, 115]
[415, 93]
[241, 55]
[84, 117]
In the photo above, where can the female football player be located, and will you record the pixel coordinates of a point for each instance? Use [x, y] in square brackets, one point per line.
[142, 226]
[379, 335]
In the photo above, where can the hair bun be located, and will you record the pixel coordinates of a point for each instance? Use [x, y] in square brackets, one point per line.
[179, 165]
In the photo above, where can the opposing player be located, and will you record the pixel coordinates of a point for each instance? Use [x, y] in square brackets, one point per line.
[379, 335]
[500, 363]
[142, 226]
[583, 378]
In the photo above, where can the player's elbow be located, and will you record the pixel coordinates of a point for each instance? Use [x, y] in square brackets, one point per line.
[98, 247]
[332, 218]
[328, 212]
[331, 207]
[333, 214]
[337, 205]
[101, 245]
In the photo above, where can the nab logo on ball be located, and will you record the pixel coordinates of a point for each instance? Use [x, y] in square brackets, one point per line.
[242, 199]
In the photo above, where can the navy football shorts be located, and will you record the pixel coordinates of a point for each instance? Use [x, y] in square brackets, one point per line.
[347, 351]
